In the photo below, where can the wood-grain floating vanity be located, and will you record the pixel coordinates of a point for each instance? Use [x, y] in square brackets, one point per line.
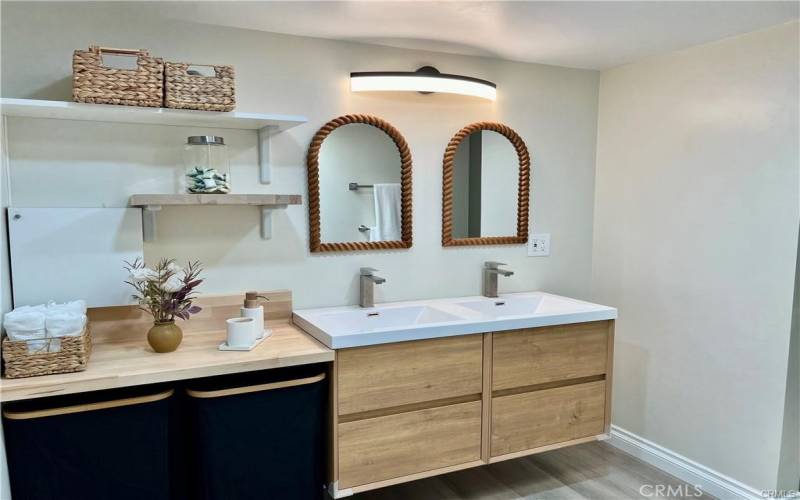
[416, 388]
[425, 388]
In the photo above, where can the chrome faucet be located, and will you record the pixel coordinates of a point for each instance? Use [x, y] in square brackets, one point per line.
[368, 280]
[490, 271]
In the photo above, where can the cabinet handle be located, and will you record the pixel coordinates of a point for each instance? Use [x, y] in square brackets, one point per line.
[102, 405]
[255, 388]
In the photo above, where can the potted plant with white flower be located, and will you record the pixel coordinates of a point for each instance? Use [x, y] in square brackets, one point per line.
[165, 291]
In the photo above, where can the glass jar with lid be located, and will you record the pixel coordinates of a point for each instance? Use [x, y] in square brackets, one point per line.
[207, 169]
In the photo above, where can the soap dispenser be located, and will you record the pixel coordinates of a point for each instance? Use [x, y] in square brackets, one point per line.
[252, 309]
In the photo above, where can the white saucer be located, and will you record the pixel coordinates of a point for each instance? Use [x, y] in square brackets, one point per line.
[225, 347]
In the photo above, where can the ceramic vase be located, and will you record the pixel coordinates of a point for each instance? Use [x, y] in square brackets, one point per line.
[165, 336]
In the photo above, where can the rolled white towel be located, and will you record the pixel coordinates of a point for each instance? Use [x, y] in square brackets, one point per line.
[75, 306]
[64, 323]
[26, 323]
[39, 308]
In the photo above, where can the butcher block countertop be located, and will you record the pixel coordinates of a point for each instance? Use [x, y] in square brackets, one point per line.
[121, 356]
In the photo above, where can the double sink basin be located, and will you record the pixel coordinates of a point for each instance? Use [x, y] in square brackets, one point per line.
[352, 326]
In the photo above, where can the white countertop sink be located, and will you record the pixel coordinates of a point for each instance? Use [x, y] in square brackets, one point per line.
[352, 326]
[381, 318]
[504, 306]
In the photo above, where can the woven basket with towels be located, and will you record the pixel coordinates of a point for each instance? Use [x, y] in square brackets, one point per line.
[46, 339]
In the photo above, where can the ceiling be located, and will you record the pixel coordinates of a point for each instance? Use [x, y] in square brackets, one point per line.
[592, 35]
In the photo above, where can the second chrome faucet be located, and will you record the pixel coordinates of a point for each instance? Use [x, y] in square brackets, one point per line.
[368, 280]
[491, 270]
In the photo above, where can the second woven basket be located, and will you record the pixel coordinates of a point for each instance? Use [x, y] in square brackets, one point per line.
[184, 90]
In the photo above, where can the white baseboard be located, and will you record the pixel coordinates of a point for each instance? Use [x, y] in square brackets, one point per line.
[710, 481]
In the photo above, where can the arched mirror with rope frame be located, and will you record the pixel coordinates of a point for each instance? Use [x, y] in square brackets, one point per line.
[359, 186]
[485, 187]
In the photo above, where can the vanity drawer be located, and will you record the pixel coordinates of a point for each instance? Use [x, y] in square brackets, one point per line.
[532, 419]
[548, 354]
[397, 445]
[390, 375]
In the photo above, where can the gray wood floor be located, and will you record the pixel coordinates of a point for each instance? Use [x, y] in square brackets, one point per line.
[592, 471]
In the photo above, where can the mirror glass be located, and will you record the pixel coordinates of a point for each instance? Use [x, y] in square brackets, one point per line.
[485, 186]
[359, 185]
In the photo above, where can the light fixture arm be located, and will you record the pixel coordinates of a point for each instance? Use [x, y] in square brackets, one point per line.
[428, 71]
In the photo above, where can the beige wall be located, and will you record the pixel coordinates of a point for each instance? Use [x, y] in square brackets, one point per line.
[696, 222]
[553, 109]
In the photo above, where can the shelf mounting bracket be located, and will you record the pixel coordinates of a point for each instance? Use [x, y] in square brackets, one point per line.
[149, 222]
[264, 165]
[266, 220]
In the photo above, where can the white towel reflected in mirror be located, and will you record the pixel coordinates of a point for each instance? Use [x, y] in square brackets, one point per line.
[387, 213]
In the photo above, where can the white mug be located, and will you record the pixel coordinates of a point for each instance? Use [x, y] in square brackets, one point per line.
[241, 332]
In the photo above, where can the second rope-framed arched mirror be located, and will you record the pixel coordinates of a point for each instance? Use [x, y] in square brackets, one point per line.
[485, 187]
[359, 186]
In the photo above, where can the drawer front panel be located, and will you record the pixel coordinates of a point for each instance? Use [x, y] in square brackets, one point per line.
[392, 446]
[548, 354]
[532, 419]
[390, 375]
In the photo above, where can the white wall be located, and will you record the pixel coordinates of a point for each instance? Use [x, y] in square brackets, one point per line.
[789, 467]
[353, 153]
[696, 227]
[553, 109]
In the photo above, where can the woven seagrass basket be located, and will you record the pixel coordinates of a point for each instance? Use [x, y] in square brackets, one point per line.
[73, 355]
[184, 90]
[95, 83]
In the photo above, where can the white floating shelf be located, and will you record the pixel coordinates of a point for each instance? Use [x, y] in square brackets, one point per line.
[152, 203]
[265, 124]
[65, 110]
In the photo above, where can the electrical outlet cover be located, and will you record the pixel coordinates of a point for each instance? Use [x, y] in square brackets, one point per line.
[539, 245]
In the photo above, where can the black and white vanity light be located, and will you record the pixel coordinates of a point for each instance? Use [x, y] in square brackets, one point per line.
[425, 80]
